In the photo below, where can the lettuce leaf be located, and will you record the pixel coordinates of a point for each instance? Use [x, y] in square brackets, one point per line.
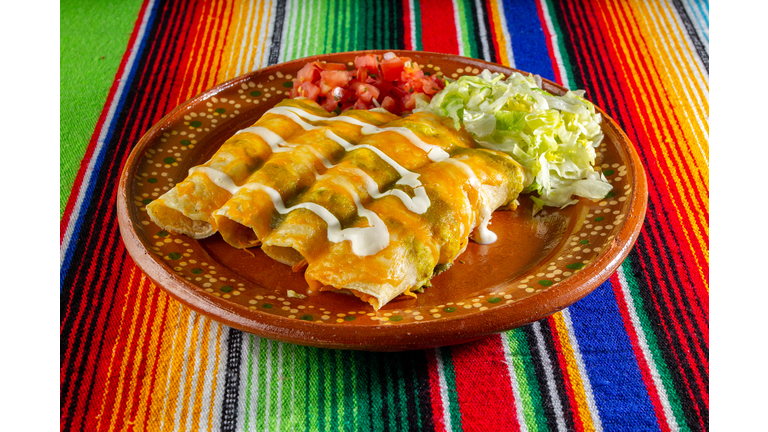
[552, 137]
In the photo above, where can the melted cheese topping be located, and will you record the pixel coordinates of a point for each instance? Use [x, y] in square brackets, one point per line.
[375, 237]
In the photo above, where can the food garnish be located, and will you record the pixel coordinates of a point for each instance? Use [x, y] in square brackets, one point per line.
[552, 137]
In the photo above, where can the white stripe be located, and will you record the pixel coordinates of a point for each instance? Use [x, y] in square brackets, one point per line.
[177, 329]
[555, 44]
[593, 411]
[280, 380]
[505, 32]
[682, 79]
[303, 32]
[698, 22]
[690, 54]
[77, 208]
[255, 387]
[645, 349]
[305, 52]
[443, 390]
[262, 46]
[514, 382]
[268, 384]
[547, 363]
[212, 397]
[196, 361]
[457, 23]
[413, 25]
[482, 31]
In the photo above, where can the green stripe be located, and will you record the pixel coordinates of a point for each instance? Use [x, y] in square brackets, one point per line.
[93, 41]
[249, 383]
[530, 394]
[289, 381]
[653, 346]
[274, 386]
[465, 22]
[450, 383]
[567, 65]
[417, 45]
[301, 386]
[363, 390]
[261, 396]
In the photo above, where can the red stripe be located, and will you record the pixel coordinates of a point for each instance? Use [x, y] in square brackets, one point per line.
[190, 76]
[663, 317]
[99, 124]
[656, 174]
[434, 387]
[701, 320]
[645, 370]
[577, 420]
[407, 42]
[484, 387]
[668, 198]
[548, 40]
[438, 27]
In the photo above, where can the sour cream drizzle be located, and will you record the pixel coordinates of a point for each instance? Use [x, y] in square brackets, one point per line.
[365, 240]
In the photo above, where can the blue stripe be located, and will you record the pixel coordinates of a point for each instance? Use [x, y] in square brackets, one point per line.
[698, 9]
[529, 45]
[100, 156]
[620, 394]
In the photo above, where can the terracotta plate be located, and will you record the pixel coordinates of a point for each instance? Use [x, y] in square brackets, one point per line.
[538, 266]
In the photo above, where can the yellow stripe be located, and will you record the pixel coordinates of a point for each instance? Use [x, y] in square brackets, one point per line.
[217, 46]
[154, 330]
[266, 39]
[574, 376]
[106, 396]
[176, 363]
[239, 16]
[503, 57]
[118, 396]
[655, 129]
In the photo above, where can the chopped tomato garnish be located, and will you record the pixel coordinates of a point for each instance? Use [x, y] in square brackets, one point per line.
[390, 82]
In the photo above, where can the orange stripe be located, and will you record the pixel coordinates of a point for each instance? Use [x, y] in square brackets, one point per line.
[175, 366]
[191, 359]
[632, 52]
[572, 369]
[106, 396]
[503, 56]
[155, 331]
[197, 404]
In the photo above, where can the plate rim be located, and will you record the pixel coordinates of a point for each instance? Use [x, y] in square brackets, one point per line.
[398, 337]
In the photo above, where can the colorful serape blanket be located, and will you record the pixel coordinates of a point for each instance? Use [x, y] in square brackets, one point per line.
[633, 355]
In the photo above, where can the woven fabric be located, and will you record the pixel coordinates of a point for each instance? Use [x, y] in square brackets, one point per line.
[633, 355]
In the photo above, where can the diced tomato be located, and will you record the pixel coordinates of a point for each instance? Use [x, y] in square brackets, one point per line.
[335, 78]
[310, 91]
[330, 104]
[332, 66]
[409, 101]
[367, 62]
[388, 104]
[390, 83]
[392, 68]
[309, 73]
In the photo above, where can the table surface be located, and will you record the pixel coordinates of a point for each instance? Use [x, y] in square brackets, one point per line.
[633, 355]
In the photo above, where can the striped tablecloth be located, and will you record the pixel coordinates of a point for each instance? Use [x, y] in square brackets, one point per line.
[633, 355]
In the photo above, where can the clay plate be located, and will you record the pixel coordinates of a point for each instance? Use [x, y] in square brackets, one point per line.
[538, 266]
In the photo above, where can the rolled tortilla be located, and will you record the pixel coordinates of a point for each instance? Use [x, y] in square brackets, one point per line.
[188, 207]
[463, 191]
[369, 167]
[250, 215]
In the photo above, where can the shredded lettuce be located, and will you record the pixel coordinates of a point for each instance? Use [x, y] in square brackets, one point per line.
[552, 137]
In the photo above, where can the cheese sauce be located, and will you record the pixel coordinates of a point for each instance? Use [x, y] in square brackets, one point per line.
[375, 237]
